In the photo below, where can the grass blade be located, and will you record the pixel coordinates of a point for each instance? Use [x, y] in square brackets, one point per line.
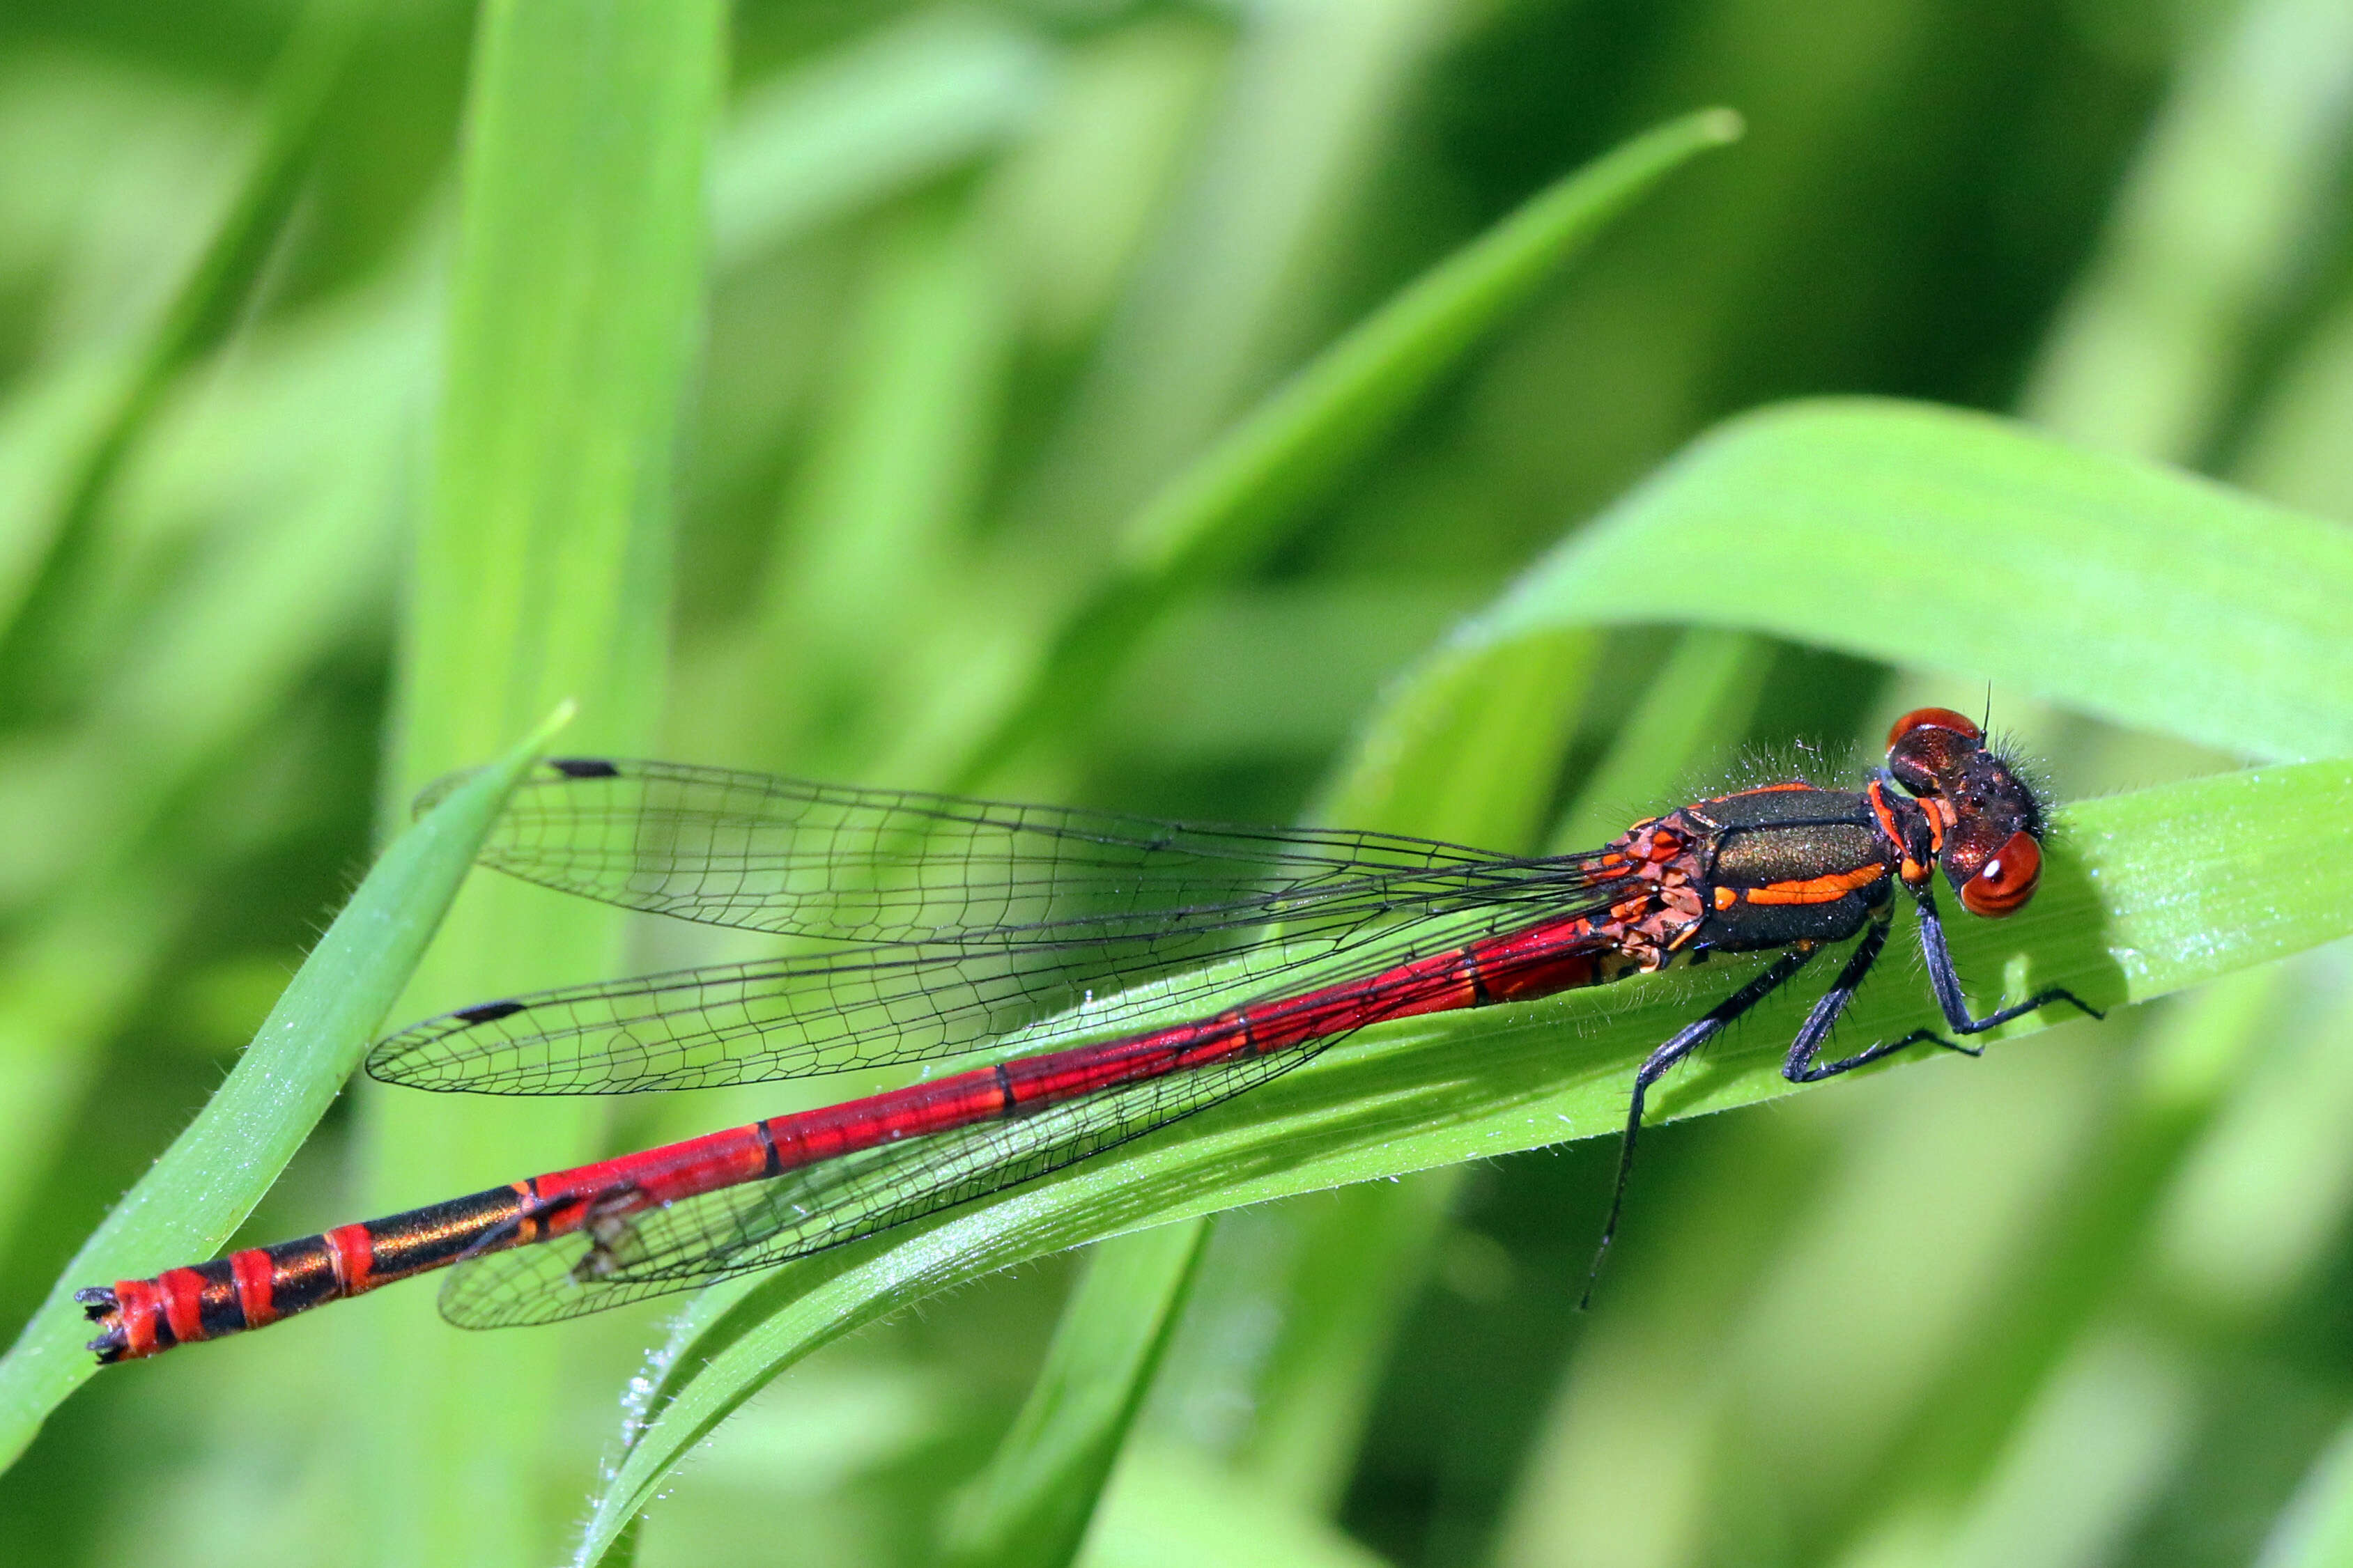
[543, 571]
[1930, 537]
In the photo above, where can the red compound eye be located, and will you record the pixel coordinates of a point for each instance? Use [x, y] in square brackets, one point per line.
[2005, 882]
[1934, 719]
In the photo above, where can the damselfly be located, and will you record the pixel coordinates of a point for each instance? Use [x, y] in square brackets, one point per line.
[951, 923]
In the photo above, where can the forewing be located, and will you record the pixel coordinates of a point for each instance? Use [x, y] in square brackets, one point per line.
[833, 1012]
[698, 1241]
[747, 1023]
[889, 866]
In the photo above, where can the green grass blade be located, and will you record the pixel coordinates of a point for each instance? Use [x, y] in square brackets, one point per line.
[2146, 894]
[570, 327]
[206, 1183]
[1967, 544]
[1231, 505]
[1030, 1508]
[2150, 893]
[543, 569]
[1288, 452]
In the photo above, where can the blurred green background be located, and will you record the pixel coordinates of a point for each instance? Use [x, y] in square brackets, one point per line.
[976, 281]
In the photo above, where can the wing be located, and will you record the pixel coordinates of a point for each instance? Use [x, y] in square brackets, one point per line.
[887, 865]
[833, 1012]
[701, 1241]
[698, 1241]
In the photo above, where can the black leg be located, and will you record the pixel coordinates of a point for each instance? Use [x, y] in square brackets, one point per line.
[1947, 983]
[1804, 1066]
[1686, 1040]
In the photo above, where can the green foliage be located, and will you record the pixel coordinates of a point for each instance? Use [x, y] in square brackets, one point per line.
[1240, 413]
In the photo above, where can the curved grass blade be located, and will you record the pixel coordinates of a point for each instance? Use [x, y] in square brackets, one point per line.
[217, 1170]
[1931, 537]
[2143, 895]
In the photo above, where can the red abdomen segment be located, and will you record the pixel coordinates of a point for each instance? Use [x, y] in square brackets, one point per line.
[250, 1290]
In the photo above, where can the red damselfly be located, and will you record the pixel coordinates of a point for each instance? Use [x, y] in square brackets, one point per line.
[951, 923]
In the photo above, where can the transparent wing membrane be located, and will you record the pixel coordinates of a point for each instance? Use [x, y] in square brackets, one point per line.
[1109, 907]
[698, 1241]
[813, 1014]
[965, 923]
[802, 1016]
[889, 866]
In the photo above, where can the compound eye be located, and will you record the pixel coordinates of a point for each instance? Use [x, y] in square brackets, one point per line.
[1934, 719]
[2004, 883]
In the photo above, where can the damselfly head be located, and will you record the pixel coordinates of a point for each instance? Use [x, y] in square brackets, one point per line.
[1991, 850]
[1929, 745]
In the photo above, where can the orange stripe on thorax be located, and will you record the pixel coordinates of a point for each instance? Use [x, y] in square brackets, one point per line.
[1813, 890]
